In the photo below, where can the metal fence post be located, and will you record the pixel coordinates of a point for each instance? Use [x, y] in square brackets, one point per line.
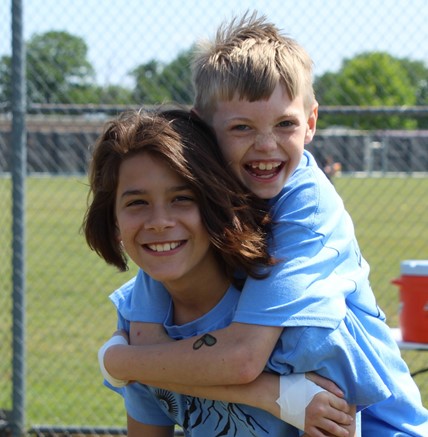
[18, 214]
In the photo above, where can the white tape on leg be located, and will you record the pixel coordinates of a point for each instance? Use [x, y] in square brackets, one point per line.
[117, 339]
[295, 394]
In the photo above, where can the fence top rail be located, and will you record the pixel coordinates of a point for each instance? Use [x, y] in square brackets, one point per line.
[62, 122]
[75, 109]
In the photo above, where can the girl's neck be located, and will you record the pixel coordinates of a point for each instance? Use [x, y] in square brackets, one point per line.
[198, 296]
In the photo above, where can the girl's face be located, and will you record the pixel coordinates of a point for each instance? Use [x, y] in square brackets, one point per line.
[159, 221]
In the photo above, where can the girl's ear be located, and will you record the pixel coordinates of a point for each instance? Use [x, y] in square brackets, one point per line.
[117, 234]
[311, 123]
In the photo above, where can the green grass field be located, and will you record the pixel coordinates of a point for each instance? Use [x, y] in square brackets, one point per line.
[69, 316]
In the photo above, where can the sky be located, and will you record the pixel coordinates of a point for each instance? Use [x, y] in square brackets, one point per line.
[122, 34]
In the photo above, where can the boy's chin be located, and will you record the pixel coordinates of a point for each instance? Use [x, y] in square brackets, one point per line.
[267, 192]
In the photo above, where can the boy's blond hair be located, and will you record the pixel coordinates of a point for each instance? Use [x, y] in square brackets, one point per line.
[248, 58]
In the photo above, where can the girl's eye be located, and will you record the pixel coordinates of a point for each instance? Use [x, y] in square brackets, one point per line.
[240, 127]
[136, 202]
[184, 198]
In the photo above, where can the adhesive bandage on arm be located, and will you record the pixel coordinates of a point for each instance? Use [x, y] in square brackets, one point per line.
[295, 394]
[117, 339]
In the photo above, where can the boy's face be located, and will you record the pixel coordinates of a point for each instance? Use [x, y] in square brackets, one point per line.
[263, 141]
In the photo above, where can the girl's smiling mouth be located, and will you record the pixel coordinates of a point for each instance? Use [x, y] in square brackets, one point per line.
[164, 247]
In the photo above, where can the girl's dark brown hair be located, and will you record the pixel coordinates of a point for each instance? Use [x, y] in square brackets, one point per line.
[233, 217]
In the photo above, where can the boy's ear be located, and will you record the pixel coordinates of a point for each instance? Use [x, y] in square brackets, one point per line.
[195, 112]
[311, 123]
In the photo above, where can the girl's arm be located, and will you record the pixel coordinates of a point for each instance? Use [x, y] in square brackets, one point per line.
[137, 429]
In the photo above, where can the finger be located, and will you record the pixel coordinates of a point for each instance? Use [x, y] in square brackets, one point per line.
[325, 383]
[121, 332]
[339, 404]
[332, 408]
[328, 428]
[340, 418]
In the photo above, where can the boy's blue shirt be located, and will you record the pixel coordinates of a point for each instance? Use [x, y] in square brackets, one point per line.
[321, 293]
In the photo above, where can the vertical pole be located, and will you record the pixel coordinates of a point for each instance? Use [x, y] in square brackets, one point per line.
[18, 144]
[385, 147]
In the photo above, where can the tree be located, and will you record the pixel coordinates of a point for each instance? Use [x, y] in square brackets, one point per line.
[58, 70]
[149, 88]
[5, 79]
[157, 83]
[177, 77]
[57, 65]
[371, 79]
[418, 74]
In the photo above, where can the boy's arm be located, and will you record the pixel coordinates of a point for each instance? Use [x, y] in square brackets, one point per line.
[325, 415]
[317, 413]
[142, 333]
[236, 354]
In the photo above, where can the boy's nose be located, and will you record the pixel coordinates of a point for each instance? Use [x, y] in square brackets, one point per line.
[265, 142]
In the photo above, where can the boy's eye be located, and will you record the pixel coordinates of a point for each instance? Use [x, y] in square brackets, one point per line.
[285, 123]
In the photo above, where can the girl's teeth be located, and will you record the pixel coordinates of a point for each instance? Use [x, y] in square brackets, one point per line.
[165, 247]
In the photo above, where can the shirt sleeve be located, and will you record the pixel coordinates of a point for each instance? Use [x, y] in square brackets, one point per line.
[142, 299]
[141, 405]
[337, 354]
[319, 260]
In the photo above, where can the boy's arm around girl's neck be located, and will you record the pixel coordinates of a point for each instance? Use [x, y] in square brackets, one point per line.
[238, 356]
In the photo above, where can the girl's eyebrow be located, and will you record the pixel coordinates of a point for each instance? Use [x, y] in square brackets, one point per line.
[133, 192]
[138, 192]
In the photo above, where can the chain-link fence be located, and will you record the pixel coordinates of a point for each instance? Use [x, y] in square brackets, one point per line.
[85, 61]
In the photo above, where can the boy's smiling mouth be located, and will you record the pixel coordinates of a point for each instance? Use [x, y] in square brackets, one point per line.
[264, 169]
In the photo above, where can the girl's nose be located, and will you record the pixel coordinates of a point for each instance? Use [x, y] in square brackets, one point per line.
[159, 220]
[265, 142]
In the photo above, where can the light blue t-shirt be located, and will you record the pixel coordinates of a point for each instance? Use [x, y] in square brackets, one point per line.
[321, 287]
[198, 417]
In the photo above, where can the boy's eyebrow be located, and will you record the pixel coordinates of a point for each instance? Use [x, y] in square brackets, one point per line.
[288, 114]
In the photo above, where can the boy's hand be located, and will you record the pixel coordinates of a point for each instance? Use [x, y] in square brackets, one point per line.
[124, 334]
[328, 415]
[308, 407]
[333, 414]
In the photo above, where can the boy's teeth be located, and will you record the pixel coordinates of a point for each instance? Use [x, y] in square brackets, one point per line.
[164, 247]
[265, 165]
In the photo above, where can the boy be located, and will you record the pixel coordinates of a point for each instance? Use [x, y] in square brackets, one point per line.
[254, 86]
